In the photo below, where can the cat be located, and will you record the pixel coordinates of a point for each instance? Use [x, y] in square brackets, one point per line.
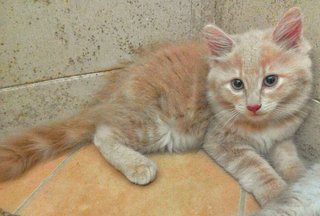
[237, 96]
[302, 198]
[270, 85]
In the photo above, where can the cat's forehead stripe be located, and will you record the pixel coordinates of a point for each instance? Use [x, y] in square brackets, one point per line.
[268, 54]
[250, 50]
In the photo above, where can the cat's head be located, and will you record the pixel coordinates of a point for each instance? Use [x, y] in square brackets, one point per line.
[260, 75]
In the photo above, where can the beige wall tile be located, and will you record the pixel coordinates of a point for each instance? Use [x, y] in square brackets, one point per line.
[42, 40]
[202, 13]
[308, 136]
[30, 105]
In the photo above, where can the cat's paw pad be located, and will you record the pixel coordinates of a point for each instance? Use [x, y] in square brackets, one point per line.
[142, 173]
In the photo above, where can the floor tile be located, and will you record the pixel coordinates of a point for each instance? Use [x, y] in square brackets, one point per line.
[186, 184]
[14, 192]
[251, 204]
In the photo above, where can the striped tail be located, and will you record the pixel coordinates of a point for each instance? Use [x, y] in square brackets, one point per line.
[42, 143]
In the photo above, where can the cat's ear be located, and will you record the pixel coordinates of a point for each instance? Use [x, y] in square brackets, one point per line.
[288, 31]
[220, 44]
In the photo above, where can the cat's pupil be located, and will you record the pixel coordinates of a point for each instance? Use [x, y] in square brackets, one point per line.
[237, 84]
[270, 80]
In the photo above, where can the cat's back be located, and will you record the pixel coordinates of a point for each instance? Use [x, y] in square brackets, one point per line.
[172, 69]
[178, 68]
[161, 96]
[174, 75]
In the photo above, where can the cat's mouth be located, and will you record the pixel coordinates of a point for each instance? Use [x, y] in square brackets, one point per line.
[256, 115]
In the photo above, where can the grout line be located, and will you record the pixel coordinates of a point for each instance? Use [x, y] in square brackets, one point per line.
[46, 82]
[28, 199]
[316, 101]
[65, 78]
[242, 202]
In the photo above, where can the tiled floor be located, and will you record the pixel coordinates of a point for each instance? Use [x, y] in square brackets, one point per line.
[82, 183]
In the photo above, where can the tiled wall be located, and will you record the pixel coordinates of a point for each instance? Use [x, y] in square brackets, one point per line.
[53, 54]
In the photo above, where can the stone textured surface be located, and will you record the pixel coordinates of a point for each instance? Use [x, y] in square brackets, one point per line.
[34, 104]
[308, 137]
[186, 184]
[202, 13]
[239, 16]
[44, 39]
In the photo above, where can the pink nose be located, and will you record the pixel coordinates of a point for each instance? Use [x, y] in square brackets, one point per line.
[254, 107]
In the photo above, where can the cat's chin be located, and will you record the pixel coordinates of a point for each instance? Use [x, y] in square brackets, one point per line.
[256, 116]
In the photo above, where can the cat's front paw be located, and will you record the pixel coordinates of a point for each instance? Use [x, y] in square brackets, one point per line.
[141, 173]
[270, 212]
[294, 172]
[259, 214]
[269, 191]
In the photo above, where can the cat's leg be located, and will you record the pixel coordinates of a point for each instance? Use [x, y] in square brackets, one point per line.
[252, 171]
[300, 199]
[286, 161]
[135, 166]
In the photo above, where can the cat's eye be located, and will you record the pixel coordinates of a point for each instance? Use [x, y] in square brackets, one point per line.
[270, 80]
[237, 84]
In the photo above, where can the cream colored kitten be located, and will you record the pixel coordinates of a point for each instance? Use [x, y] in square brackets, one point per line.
[240, 134]
[242, 96]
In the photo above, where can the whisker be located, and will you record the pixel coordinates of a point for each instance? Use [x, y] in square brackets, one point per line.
[223, 112]
[283, 112]
[293, 111]
[221, 120]
[230, 120]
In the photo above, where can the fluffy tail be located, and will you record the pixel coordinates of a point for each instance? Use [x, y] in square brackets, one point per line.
[42, 143]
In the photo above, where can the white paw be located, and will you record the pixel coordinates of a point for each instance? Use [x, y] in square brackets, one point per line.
[141, 173]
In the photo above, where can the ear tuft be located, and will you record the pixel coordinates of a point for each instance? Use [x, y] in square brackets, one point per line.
[218, 41]
[288, 31]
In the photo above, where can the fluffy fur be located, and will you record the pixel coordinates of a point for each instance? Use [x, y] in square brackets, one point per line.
[237, 138]
[178, 96]
[300, 199]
